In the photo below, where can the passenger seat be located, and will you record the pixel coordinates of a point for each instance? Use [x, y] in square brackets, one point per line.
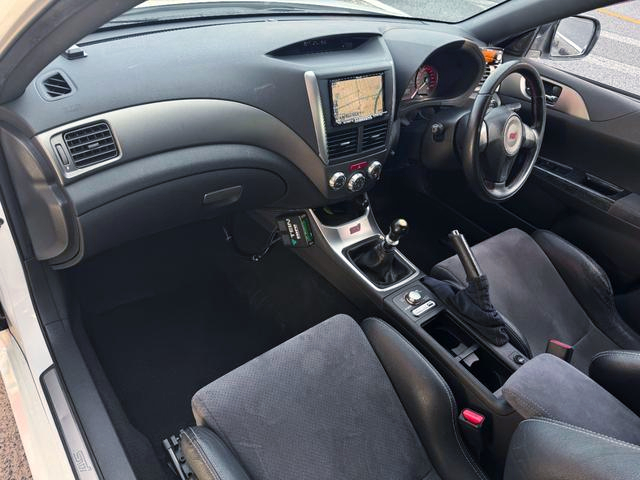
[338, 401]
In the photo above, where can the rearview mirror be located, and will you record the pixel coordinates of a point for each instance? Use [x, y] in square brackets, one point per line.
[572, 38]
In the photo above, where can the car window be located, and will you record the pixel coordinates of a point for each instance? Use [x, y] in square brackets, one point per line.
[615, 59]
[439, 10]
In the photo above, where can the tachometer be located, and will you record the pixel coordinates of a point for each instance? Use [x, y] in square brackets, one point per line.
[426, 81]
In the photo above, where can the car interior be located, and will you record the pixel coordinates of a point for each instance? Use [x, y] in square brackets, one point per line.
[289, 245]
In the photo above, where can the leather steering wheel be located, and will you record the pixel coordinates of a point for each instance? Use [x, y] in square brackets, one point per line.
[496, 140]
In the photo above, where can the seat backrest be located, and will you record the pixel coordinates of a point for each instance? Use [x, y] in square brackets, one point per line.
[527, 289]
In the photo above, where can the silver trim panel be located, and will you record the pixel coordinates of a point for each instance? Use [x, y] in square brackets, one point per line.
[348, 234]
[317, 114]
[569, 101]
[70, 170]
[144, 130]
[76, 447]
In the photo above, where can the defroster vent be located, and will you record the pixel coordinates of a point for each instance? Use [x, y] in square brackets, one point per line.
[90, 144]
[56, 86]
[342, 143]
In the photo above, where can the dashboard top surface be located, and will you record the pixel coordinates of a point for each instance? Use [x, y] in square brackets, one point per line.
[230, 61]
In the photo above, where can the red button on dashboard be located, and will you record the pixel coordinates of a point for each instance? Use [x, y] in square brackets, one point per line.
[358, 166]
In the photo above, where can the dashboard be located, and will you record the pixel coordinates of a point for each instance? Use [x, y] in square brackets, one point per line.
[152, 127]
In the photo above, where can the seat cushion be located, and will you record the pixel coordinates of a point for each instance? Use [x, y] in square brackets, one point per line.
[527, 289]
[319, 406]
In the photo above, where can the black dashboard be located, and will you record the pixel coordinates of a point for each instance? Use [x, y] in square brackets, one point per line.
[152, 127]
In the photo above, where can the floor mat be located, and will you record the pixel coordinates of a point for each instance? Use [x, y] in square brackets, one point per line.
[169, 314]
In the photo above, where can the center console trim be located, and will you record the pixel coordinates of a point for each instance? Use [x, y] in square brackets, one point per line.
[317, 114]
[348, 234]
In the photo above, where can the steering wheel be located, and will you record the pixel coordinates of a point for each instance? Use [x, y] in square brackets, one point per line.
[499, 150]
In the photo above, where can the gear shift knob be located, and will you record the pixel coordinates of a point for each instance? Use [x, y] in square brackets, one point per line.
[398, 229]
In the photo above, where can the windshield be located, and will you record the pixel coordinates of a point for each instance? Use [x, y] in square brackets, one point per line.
[451, 11]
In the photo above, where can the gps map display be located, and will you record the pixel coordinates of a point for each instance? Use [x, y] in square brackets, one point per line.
[357, 99]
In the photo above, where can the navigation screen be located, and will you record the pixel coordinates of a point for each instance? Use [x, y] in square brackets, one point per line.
[357, 99]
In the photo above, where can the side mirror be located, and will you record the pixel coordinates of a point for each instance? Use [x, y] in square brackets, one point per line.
[572, 38]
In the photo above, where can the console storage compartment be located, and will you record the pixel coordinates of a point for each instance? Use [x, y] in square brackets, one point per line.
[473, 356]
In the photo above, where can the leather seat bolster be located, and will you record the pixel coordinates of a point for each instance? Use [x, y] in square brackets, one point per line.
[551, 388]
[618, 372]
[543, 449]
[426, 398]
[208, 457]
[590, 285]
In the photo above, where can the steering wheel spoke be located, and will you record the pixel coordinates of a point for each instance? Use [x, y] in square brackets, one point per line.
[530, 137]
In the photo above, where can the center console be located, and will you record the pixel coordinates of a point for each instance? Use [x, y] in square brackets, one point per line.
[475, 368]
[352, 108]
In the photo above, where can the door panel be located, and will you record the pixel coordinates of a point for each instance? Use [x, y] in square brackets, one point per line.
[588, 174]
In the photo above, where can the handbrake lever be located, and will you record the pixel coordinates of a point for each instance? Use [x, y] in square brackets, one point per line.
[466, 256]
[472, 302]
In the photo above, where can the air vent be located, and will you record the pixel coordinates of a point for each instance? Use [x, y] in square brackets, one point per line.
[374, 135]
[342, 143]
[56, 86]
[90, 144]
[488, 69]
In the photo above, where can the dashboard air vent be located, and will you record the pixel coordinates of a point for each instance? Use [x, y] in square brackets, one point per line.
[374, 135]
[485, 75]
[342, 143]
[56, 86]
[493, 59]
[91, 144]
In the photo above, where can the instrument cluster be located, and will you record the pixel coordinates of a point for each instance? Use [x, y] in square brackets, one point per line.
[424, 83]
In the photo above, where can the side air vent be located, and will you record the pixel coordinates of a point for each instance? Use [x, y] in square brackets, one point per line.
[56, 86]
[493, 59]
[374, 135]
[342, 143]
[90, 144]
[485, 75]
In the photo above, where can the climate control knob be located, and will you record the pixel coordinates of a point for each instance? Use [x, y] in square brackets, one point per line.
[374, 170]
[356, 182]
[337, 181]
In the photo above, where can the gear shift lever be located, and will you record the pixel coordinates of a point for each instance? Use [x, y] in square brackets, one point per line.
[380, 263]
[398, 229]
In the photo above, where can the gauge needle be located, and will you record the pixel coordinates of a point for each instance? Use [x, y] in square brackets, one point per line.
[418, 89]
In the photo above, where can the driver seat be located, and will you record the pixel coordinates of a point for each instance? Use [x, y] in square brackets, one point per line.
[546, 288]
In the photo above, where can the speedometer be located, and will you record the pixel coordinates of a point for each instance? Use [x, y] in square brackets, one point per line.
[426, 81]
